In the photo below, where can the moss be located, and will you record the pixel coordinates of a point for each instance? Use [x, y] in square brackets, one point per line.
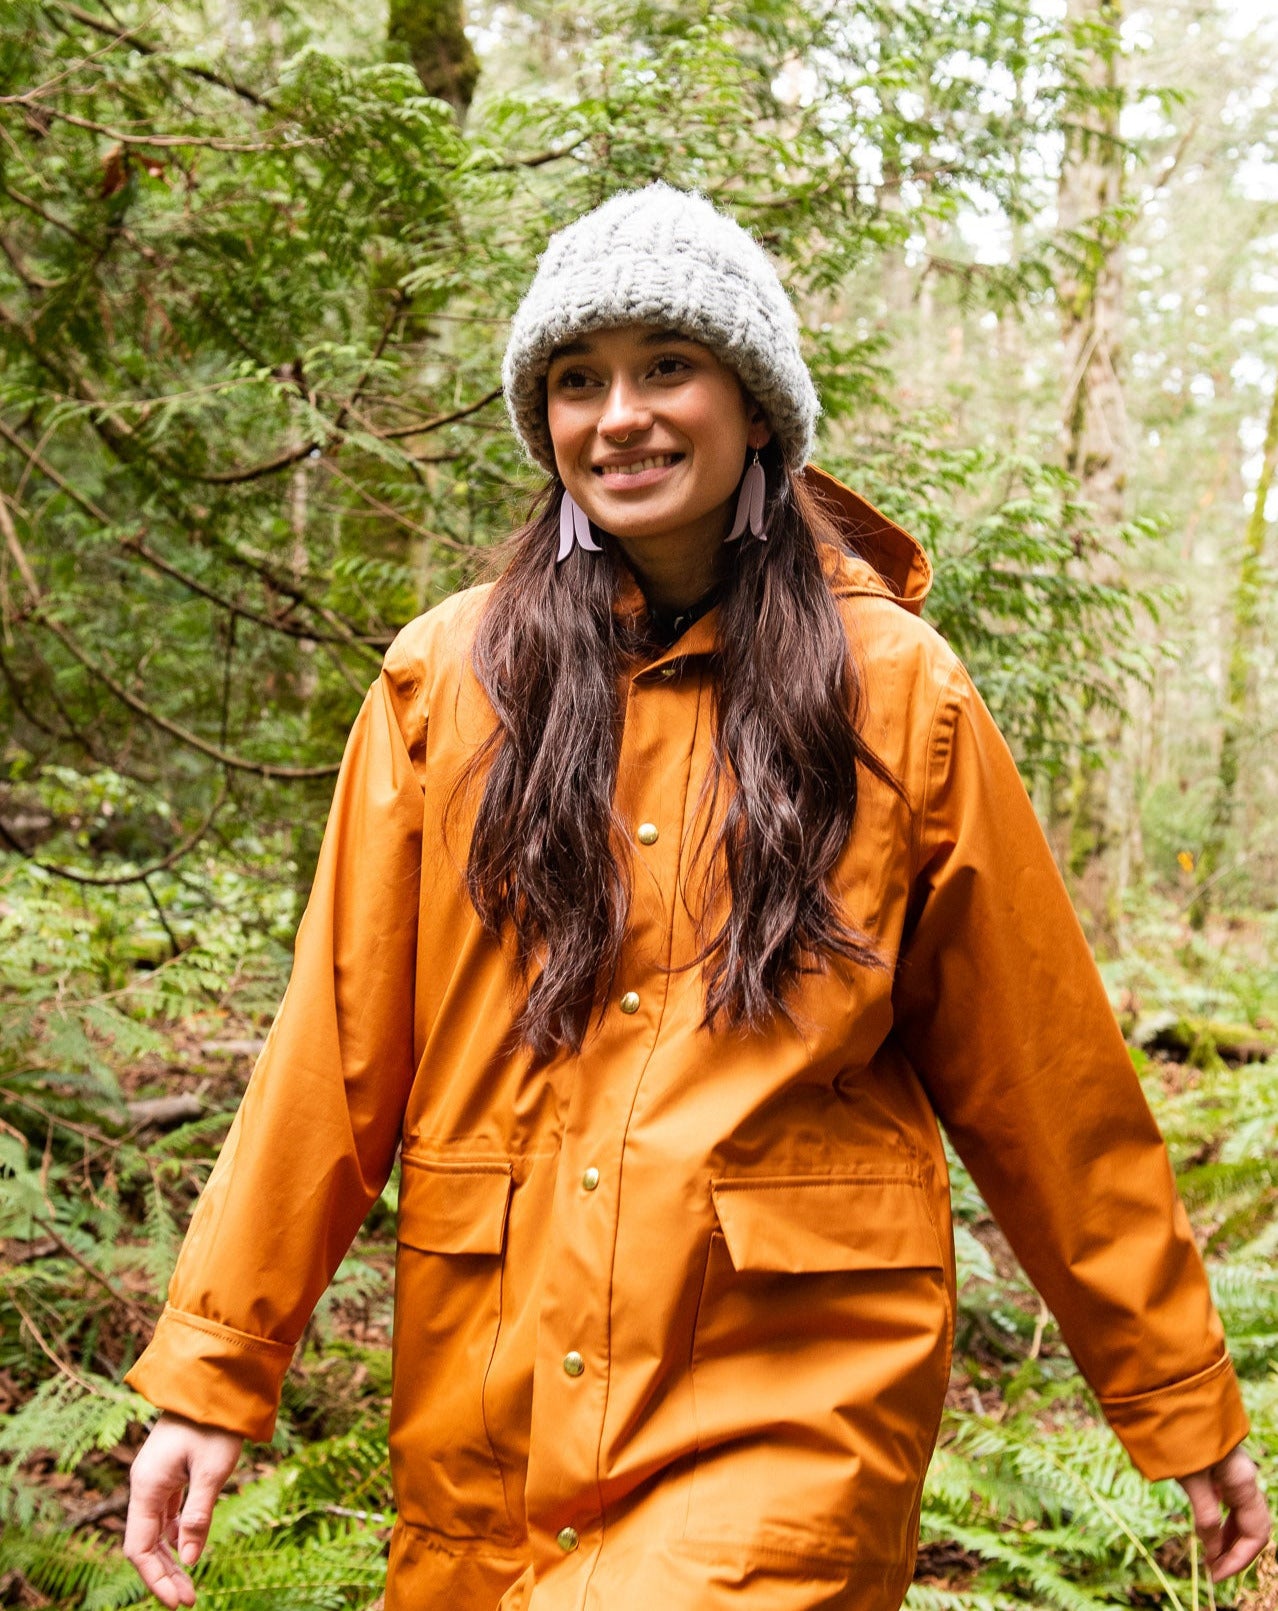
[431, 34]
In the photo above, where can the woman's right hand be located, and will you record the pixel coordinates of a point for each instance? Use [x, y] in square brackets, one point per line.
[178, 1457]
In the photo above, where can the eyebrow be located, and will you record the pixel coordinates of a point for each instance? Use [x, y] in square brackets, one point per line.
[654, 338]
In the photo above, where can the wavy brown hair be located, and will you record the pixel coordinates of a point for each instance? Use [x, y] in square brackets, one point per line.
[545, 861]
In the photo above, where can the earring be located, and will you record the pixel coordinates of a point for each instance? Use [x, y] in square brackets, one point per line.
[573, 523]
[750, 499]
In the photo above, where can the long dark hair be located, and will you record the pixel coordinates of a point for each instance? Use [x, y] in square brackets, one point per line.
[546, 863]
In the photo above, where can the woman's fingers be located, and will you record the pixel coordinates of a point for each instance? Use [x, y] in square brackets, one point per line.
[177, 1458]
[1246, 1532]
[205, 1485]
[145, 1545]
[1231, 1540]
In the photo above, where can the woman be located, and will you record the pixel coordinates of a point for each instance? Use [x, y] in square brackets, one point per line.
[673, 885]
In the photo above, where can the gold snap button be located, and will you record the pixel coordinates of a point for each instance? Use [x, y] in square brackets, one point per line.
[590, 1179]
[574, 1364]
[667, 672]
[567, 1539]
[629, 1002]
[647, 834]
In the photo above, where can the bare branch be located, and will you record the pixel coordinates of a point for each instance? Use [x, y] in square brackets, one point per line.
[28, 276]
[289, 629]
[543, 157]
[283, 461]
[183, 735]
[391, 513]
[439, 420]
[16, 549]
[38, 210]
[193, 741]
[134, 41]
[46, 1349]
[113, 880]
[159, 142]
[143, 1312]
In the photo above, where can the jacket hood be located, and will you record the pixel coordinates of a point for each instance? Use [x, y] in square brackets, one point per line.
[885, 559]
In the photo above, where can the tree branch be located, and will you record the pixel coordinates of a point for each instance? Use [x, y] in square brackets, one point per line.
[193, 741]
[59, 480]
[146, 1315]
[159, 142]
[391, 513]
[28, 276]
[438, 420]
[28, 575]
[283, 461]
[47, 1350]
[343, 630]
[183, 735]
[38, 210]
[114, 880]
[134, 40]
[288, 628]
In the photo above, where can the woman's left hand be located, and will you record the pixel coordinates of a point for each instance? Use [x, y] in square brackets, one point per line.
[1230, 1542]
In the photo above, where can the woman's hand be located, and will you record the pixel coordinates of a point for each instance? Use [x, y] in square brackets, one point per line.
[178, 1456]
[1231, 1543]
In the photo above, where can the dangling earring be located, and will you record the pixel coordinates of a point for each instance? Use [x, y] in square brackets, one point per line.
[750, 499]
[573, 523]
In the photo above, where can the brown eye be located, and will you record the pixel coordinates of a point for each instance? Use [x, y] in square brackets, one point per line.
[670, 365]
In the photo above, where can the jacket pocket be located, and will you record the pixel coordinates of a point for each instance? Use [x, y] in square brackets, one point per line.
[820, 1361]
[448, 1307]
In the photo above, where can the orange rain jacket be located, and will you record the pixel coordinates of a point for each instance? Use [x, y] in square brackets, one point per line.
[674, 1315]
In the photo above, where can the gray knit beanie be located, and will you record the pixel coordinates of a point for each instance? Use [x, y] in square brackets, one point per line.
[667, 257]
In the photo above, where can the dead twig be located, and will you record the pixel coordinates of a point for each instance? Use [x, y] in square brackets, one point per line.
[38, 1337]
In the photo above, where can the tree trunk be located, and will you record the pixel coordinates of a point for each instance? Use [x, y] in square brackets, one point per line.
[431, 34]
[1237, 711]
[1099, 807]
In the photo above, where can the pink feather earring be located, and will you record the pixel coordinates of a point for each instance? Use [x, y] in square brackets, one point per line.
[750, 501]
[574, 524]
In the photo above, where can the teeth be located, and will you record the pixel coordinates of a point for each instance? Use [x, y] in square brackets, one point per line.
[660, 461]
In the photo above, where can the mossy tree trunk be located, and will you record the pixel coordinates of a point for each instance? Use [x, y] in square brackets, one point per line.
[1237, 712]
[1096, 806]
[432, 35]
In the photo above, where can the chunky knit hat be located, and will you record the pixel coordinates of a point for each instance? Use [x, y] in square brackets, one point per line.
[667, 257]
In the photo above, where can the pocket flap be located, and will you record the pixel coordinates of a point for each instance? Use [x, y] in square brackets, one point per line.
[453, 1208]
[801, 1224]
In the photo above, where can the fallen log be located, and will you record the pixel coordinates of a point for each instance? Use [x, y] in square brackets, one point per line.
[1201, 1040]
[164, 1112]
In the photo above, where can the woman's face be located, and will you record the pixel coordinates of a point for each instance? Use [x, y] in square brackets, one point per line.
[650, 432]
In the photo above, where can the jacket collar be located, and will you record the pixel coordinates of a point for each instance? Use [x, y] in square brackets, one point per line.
[884, 561]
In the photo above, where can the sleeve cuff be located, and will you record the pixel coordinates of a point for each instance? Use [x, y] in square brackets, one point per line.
[213, 1374]
[1183, 1427]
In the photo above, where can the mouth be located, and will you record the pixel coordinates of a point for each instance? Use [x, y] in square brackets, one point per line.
[636, 472]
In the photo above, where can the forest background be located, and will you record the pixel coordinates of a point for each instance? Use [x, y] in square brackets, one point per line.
[256, 264]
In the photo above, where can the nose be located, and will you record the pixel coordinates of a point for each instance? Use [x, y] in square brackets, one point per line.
[624, 412]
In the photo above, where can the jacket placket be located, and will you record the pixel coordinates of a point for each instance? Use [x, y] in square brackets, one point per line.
[578, 1349]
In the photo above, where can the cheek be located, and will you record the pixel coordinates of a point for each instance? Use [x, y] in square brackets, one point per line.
[567, 432]
[720, 430]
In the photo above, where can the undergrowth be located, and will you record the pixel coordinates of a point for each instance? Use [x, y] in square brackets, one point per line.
[1029, 1501]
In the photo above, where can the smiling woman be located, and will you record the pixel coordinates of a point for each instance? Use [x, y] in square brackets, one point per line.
[676, 885]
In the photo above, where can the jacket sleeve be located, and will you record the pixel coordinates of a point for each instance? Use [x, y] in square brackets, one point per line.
[314, 1139]
[1002, 1013]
